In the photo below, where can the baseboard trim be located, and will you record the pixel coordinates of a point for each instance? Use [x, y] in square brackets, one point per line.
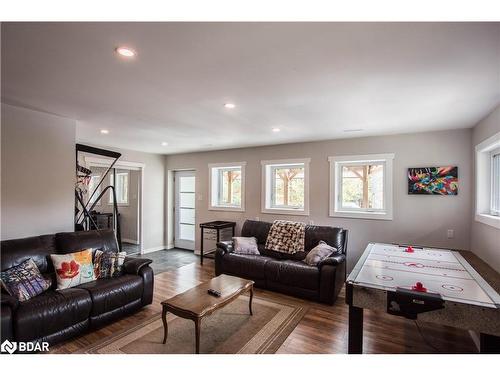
[128, 240]
[170, 246]
[153, 249]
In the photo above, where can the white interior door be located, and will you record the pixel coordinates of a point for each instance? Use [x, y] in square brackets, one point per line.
[184, 214]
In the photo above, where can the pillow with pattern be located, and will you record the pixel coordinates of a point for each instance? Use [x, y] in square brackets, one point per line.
[318, 253]
[24, 281]
[73, 269]
[108, 264]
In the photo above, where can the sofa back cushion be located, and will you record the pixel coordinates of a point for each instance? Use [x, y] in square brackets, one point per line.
[333, 236]
[38, 248]
[69, 242]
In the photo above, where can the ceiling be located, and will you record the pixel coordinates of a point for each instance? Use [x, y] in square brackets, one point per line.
[314, 81]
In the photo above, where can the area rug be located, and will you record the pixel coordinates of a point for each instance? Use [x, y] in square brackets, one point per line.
[229, 330]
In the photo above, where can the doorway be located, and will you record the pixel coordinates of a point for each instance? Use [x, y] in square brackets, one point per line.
[184, 209]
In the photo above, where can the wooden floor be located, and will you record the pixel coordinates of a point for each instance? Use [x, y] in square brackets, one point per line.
[322, 330]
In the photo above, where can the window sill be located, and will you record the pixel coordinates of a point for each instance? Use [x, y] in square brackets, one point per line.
[222, 208]
[362, 215]
[490, 220]
[284, 211]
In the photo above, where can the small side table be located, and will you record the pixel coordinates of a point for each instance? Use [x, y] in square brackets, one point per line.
[218, 225]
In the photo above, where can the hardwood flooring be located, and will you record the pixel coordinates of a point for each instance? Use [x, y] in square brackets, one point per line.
[322, 330]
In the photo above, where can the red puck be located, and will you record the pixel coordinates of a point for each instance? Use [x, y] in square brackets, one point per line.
[419, 287]
[409, 249]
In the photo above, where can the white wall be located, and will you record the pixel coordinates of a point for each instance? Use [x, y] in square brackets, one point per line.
[417, 219]
[38, 168]
[485, 239]
[154, 196]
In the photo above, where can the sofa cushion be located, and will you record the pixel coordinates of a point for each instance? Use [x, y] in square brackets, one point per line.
[69, 242]
[246, 266]
[24, 281]
[110, 294]
[300, 255]
[37, 248]
[293, 273]
[51, 312]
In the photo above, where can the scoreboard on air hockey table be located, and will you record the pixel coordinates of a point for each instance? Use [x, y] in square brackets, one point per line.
[428, 284]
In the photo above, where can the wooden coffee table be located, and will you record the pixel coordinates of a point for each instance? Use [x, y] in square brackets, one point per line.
[196, 303]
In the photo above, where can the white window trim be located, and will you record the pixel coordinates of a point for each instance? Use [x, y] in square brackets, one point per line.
[110, 200]
[215, 207]
[483, 181]
[337, 161]
[266, 188]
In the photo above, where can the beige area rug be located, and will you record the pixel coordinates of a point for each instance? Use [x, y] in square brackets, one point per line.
[228, 330]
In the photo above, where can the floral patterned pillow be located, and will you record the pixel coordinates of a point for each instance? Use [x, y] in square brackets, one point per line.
[73, 269]
[24, 281]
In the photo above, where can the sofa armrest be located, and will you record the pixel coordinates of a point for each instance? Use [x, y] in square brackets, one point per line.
[333, 260]
[8, 300]
[133, 265]
[225, 246]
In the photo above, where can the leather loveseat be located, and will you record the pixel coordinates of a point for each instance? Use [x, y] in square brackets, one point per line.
[286, 273]
[56, 315]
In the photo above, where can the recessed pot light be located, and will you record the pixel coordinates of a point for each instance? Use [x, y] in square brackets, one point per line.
[276, 130]
[164, 143]
[104, 131]
[125, 51]
[229, 105]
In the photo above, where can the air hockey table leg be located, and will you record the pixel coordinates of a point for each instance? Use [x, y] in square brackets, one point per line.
[355, 334]
[489, 344]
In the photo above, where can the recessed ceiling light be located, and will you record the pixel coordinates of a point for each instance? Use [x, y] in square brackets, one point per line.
[164, 143]
[276, 130]
[229, 105]
[104, 131]
[125, 51]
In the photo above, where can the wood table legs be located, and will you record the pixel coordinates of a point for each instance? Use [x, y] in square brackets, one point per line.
[165, 326]
[250, 300]
[197, 324]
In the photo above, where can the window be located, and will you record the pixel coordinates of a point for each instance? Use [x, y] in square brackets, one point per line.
[227, 186]
[121, 188]
[495, 183]
[361, 186]
[285, 187]
[488, 181]
[93, 183]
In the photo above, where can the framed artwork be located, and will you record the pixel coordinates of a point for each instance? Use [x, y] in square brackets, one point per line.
[433, 181]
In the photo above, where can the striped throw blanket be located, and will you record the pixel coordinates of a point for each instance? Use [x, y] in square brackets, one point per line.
[286, 237]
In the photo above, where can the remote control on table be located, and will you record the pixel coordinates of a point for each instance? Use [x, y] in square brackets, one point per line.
[214, 293]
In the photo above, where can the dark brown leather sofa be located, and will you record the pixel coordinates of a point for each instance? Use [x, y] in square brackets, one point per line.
[57, 315]
[284, 273]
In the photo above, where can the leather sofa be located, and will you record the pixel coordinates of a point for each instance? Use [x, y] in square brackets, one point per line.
[286, 273]
[57, 315]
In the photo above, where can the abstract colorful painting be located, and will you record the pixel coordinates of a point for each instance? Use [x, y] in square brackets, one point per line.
[433, 180]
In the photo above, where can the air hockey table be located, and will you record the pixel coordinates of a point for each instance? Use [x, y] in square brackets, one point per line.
[427, 284]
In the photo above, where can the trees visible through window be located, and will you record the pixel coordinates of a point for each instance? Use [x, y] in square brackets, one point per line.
[363, 186]
[227, 186]
[495, 185]
[230, 181]
[285, 186]
[288, 186]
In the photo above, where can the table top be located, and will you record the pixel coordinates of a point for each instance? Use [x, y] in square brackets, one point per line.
[197, 302]
[218, 224]
[442, 271]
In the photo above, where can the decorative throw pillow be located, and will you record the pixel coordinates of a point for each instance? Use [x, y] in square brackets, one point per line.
[318, 253]
[108, 264]
[24, 281]
[245, 245]
[73, 269]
